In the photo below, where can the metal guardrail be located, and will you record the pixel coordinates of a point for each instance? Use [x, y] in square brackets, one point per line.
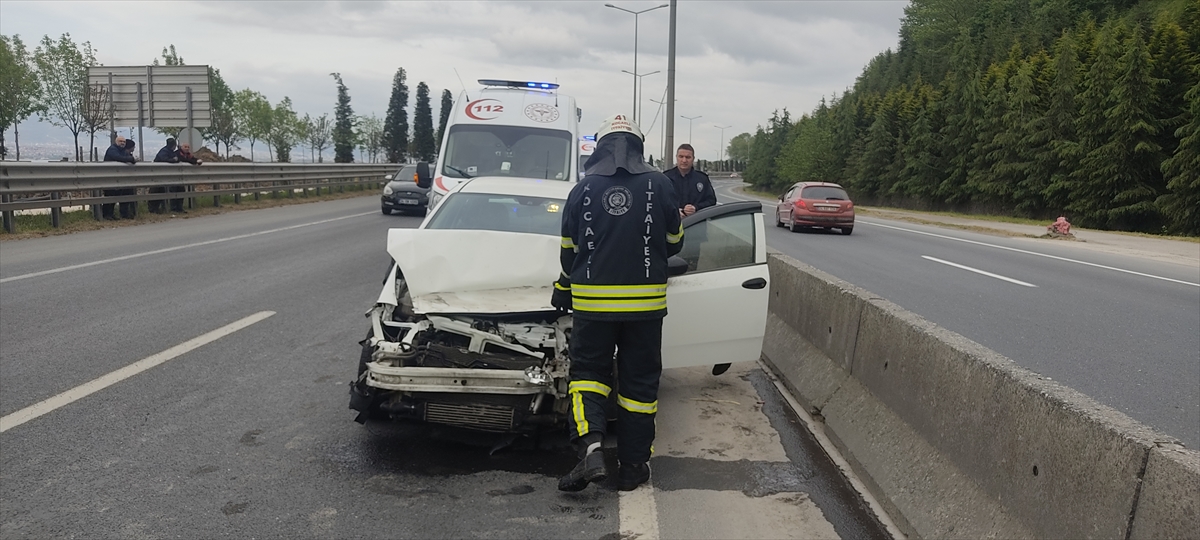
[26, 185]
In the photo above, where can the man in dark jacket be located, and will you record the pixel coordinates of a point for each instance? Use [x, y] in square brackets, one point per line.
[620, 224]
[167, 154]
[692, 187]
[116, 152]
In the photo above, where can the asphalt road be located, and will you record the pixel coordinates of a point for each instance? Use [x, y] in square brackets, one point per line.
[189, 378]
[1129, 341]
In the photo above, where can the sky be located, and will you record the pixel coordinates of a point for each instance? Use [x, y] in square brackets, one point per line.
[736, 61]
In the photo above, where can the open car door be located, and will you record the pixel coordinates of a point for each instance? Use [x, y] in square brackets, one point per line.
[717, 311]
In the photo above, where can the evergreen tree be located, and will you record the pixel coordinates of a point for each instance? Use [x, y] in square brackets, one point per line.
[989, 148]
[444, 115]
[1086, 199]
[1171, 63]
[424, 147]
[343, 126]
[923, 164]
[761, 167]
[1054, 136]
[1181, 203]
[964, 108]
[1125, 166]
[395, 124]
[880, 148]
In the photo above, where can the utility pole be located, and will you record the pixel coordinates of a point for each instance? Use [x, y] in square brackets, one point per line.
[669, 146]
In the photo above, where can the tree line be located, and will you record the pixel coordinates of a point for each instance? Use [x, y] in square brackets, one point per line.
[1036, 108]
[51, 82]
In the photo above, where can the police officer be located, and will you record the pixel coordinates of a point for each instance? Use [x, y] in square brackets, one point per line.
[620, 224]
[692, 187]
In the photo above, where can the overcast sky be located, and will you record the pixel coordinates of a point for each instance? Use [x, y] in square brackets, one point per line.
[736, 61]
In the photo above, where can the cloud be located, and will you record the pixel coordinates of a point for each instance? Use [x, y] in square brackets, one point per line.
[736, 60]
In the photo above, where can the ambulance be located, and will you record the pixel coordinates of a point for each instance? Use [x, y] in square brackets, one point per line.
[512, 129]
[587, 146]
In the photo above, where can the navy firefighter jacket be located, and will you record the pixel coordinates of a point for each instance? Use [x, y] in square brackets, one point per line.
[617, 232]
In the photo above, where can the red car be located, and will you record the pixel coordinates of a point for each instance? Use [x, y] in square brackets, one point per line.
[819, 205]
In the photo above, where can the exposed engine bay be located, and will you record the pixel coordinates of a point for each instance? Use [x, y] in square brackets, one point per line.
[493, 372]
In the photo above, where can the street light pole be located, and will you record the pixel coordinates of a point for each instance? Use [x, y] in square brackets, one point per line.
[669, 120]
[689, 119]
[635, 48]
[637, 109]
[722, 128]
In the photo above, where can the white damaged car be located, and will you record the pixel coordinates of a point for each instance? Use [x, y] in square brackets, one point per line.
[463, 332]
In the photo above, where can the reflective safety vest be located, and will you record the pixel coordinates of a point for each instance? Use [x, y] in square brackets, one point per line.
[617, 232]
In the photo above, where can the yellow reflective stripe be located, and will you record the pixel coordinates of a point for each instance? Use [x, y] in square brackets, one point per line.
[568, 243]
[637, 406]
[675, 238]
[559, 286]
[628, 291]
[581, 423]
[623, 306]
[589, 386]
[649, 286]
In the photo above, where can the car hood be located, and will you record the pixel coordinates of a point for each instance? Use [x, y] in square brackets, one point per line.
[485, 272]
[406, 186]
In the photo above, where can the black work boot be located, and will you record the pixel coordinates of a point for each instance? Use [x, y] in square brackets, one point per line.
[590, 469]
[630, 476]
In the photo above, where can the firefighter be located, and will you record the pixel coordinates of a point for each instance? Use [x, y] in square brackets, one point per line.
[620, 224]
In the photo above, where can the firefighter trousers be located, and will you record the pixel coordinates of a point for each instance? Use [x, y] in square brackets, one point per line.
[638, 346]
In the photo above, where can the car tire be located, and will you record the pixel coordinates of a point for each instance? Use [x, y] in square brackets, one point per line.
[778, 222]
[792, 226]
[387, 211]
[363, 398]
[847, 230]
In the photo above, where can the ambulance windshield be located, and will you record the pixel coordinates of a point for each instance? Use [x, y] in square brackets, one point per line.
[496, 150]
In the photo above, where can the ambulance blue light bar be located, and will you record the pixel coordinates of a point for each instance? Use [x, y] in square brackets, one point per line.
[519, 84]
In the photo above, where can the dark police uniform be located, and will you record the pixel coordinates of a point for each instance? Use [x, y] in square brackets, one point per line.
[617, 234]
[694, 188]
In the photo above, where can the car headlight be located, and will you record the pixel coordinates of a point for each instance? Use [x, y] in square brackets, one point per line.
[387, 190]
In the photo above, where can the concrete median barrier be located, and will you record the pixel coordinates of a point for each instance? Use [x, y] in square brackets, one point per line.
[958, 440]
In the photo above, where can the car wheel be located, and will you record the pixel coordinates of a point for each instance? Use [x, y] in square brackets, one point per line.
[363, 398]
[387, 211]
[847, 230]
[792, 226]
[778, 222]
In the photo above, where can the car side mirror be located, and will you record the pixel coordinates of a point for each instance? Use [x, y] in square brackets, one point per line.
[423, 179]
[781, 197]
[387, 178]
[676, 266]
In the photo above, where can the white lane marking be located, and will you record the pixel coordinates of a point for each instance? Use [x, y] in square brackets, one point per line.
[831, 450]
[978, 271]
[1055, 257]
[79, 392]
[176, 248]
[638, 513]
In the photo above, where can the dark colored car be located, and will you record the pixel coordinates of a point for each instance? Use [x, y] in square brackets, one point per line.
[402, 194]
[815, 205]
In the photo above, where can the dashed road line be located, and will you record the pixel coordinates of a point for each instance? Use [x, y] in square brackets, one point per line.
[79, 392]
[978, 271]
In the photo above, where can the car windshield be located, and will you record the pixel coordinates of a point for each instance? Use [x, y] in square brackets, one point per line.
[506, 213]
[405, 174]
[828, 193]
[486, 150]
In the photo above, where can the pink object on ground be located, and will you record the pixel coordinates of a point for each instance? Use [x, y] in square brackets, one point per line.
[1060, 226]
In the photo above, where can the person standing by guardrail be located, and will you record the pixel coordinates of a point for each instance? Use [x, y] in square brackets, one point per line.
[116, 152]
[185, 156]
[166, 154]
